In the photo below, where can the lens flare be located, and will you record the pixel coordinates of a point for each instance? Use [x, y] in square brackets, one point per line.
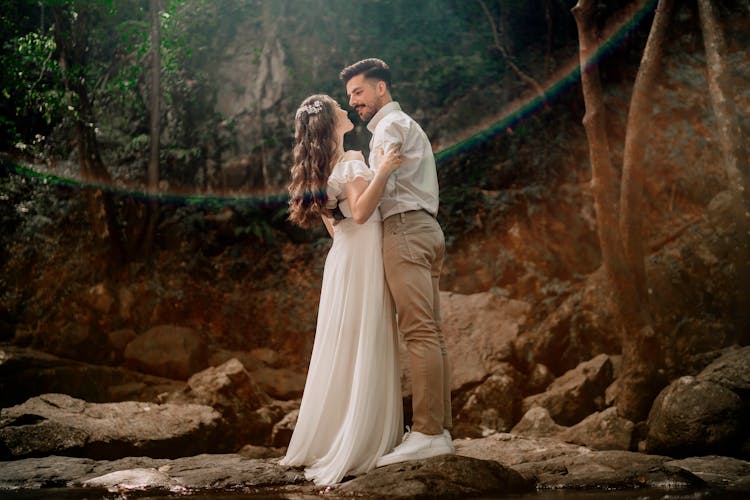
[568, 75]
[505, 120]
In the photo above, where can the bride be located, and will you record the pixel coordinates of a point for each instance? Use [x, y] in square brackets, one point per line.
[351, 410]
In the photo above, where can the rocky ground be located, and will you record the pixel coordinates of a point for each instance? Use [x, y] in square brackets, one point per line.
[500, 464]
[188, 440]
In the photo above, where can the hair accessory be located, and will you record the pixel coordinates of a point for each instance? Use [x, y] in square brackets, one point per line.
[310, 109]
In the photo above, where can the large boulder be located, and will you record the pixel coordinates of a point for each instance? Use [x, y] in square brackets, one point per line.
[280, 383]
[577, 394]
[249, 414]
[479, 332]
[62, 425]
[438, 477]
[268, 369]
[168, 351]
[492, 406]
[697, 282]
[25, 373]
[608, 470]
[717, 471]
[603, 430]
[582, 327]
[731, 370]
[696, 417]
[705, 414]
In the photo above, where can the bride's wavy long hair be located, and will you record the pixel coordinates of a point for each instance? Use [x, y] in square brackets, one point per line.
[314, 147]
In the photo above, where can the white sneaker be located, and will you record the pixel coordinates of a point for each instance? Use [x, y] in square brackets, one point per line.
[449, 439]
[416, 446]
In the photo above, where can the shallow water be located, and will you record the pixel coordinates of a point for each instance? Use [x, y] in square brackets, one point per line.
[642, 494]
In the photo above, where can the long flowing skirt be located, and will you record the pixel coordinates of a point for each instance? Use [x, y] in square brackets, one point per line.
[351, 410]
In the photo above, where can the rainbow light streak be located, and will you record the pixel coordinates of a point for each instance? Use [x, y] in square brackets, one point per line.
[569, 74]
[506, 119]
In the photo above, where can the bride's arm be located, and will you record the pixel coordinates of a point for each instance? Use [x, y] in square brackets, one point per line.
[363, 196]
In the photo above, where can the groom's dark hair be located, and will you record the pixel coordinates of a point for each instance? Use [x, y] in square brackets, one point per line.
[372, 68]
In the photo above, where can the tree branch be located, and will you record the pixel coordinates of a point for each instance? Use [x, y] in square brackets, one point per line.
[508, 60]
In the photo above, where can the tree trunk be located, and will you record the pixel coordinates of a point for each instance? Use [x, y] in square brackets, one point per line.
[732, 148]
[635, 382]
[102, 209]
[153, 162]
[641, 353]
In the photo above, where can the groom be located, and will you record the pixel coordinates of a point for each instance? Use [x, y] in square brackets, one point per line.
[413, 249]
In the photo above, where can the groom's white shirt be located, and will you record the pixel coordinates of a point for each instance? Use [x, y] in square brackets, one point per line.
[414, 185]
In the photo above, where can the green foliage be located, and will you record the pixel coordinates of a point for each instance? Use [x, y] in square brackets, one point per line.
[440, 50]
[32, 76]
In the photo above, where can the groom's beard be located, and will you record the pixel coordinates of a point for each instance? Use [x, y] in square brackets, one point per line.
[365, 113]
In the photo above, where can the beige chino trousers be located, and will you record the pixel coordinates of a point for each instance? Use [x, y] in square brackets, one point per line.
[413, 251]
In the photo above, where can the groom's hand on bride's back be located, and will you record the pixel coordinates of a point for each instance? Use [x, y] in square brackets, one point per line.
[352, 155]
[338, 215]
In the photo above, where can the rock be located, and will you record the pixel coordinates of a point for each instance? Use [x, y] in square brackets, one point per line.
[731, 370]
[231, 391]
[59, 424]
[583, 326]
[118, 341]
[280, 383]
[100, 299]
[267, 356]
[283, 430]
[220, 356]
[608, 470]
[601, 431]
[45, 472]
[25, 373]
[695, 363]
[168, 351]
[537, 423]
[696, 417]
[485, 467]
[493, 406]
[539, 379]
[576, 394]
[136, 479]
[182, 475]
[438, 477]
[741, 485]
[511, 450]
[718, 472]
[200, 472]
[479, 331]
[126, 299]
[252, 451]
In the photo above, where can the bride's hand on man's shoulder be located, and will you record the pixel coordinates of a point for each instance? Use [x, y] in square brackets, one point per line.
[391, 160]
[353, 155]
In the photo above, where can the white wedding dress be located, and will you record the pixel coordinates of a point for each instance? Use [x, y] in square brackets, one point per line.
[351, 410]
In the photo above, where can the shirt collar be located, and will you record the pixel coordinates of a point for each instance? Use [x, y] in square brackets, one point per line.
[391, 106]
